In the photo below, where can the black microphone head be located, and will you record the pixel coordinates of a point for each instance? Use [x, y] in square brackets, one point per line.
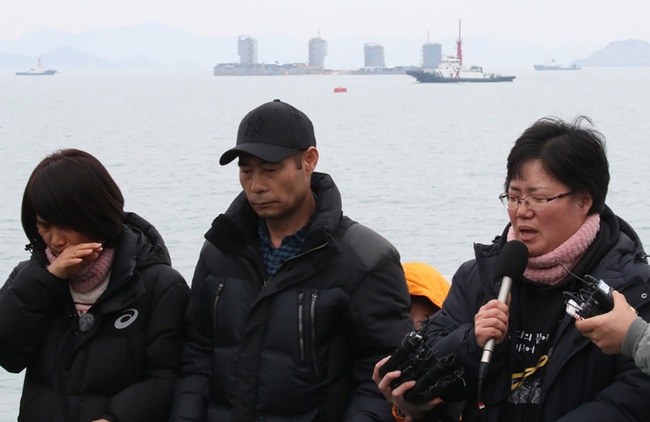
[513, 259]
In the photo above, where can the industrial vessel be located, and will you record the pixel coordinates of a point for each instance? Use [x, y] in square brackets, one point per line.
[39, 70]
[451, 70]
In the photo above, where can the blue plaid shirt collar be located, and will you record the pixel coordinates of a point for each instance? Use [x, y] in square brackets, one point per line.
[274, 258]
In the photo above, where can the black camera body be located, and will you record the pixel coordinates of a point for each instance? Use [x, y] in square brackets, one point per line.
[434, 376]
[409, 344]
[595, 298]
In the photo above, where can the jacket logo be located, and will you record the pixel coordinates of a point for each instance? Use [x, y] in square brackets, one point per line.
[130, 315]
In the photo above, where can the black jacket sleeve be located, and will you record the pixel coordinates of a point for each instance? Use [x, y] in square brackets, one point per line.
[28, 300]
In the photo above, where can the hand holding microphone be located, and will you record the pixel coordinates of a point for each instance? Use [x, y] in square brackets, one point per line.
[491, 324]
[512, 264]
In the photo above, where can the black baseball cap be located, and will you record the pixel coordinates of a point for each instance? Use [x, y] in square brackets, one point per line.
[272, 132]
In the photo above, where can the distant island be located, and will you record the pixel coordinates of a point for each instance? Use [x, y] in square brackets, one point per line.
[619, 53]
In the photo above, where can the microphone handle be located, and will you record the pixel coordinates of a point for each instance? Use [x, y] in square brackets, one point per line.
[487, 351]
[506, 284]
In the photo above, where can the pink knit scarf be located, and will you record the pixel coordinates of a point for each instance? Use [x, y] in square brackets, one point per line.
[91, 276]
[548, 268]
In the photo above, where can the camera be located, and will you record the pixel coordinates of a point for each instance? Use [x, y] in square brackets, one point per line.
[594, 298]
[434, 376]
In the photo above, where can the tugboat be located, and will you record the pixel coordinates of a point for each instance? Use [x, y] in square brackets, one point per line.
[39, 70]
[451, 70]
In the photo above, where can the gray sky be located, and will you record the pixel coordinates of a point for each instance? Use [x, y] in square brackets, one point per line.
[548, 22]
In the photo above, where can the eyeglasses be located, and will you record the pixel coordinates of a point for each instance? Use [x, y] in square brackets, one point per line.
[533, 202]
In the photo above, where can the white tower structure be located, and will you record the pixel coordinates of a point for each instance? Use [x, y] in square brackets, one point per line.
[373, 55]
[247, 50]
[317, 52]
[431, 55]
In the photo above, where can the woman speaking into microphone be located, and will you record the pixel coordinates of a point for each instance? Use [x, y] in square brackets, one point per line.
[542, 369]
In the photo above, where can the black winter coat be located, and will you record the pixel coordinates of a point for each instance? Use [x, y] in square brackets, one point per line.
[303, 346]
[581, 383]
[125, 367]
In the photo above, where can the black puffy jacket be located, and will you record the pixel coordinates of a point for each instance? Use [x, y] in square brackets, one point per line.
[581, 383]
[125, 367]
[303, 346]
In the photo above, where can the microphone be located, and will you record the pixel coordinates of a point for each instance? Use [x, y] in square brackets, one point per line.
[512, 264]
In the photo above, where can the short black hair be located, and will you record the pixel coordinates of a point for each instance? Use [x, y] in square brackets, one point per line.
[71, 188]
[573, 154]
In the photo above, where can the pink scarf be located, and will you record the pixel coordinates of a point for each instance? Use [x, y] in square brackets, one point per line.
[91, 276]
[548, 268]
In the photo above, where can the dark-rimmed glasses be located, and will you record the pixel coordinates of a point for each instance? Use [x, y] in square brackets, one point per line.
[533, 202]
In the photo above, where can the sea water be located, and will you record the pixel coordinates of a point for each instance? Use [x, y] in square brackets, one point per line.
[422, 164]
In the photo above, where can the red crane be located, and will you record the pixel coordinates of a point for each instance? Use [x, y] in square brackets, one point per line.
[459, 46]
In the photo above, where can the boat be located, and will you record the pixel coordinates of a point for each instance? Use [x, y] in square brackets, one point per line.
[451, 70]
[39, 70]
[473, 74]
[552, 65]
[340, 89]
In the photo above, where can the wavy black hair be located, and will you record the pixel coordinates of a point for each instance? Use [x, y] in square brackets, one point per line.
[570, 152]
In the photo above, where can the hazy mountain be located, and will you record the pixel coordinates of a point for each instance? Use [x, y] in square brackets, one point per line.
[620, 53]
[147, 46]
[152, 45]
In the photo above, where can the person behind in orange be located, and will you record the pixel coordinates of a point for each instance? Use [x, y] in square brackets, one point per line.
[428, 289]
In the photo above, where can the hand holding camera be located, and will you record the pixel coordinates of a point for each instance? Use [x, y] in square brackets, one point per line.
[608, 331]
[595, 298]
[435, 376]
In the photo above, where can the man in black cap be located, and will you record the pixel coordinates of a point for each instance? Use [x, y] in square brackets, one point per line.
[292, 302]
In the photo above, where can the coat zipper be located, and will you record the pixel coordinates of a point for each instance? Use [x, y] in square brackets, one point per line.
[314, 296]
[301, 337]
[214, 306]
[315, 248]
[301, 328]
[267, 280]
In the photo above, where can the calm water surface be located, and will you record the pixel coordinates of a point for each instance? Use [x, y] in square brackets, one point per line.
[422, 164]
